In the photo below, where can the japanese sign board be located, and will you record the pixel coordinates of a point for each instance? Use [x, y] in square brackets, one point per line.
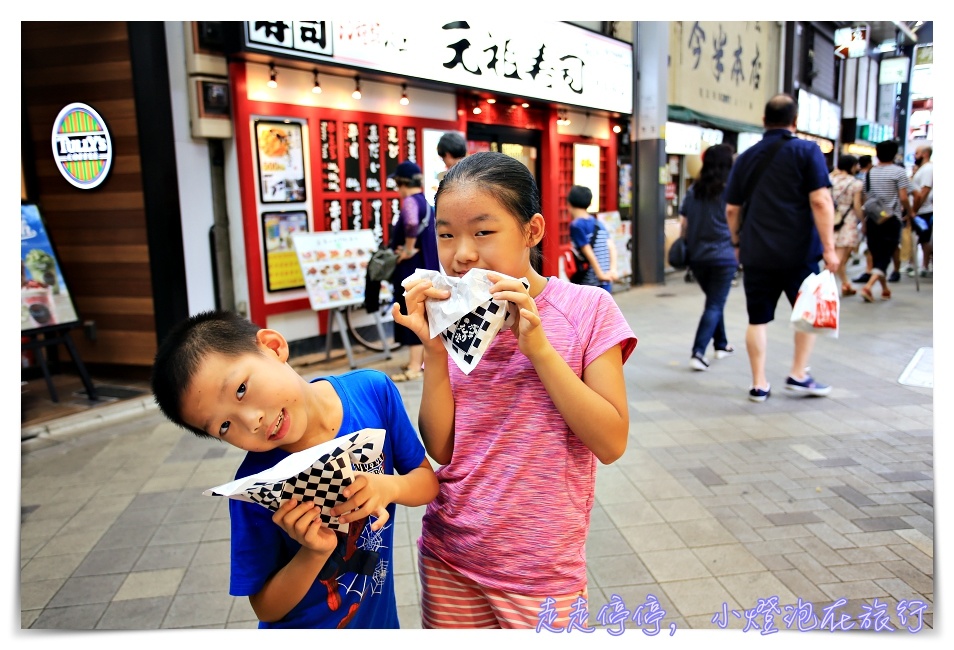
[44, 299]
[724, 68]
[551, 61]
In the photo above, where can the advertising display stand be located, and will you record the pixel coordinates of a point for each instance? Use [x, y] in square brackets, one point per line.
[334, 265]
[47, 313]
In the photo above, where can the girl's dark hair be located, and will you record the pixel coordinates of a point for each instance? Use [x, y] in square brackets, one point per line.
[847, 162]
[185, 347]
[507, 179]
[716, 163]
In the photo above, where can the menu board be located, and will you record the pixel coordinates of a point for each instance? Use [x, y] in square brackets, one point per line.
[334, 265]
[44, 299]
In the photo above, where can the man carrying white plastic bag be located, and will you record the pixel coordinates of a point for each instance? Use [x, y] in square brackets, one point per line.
[817, 305]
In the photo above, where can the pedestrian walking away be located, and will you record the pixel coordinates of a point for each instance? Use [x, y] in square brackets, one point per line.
[781, 216]
[711, 255]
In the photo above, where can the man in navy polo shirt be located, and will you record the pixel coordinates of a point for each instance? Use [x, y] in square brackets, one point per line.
[788, 226]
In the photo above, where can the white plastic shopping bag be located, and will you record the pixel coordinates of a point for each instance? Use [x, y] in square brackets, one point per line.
[817, 305]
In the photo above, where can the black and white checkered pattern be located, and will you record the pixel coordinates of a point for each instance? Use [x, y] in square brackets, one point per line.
[322, 483]
[471, 335]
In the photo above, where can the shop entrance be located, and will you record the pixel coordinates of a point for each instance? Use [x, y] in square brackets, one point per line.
[522, 144]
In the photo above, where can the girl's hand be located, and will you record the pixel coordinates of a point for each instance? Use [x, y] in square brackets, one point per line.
[416, 293]
[301, 522]
[369, 494]
[531, 338]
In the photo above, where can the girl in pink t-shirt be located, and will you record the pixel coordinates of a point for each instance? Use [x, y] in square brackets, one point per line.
[518, 438]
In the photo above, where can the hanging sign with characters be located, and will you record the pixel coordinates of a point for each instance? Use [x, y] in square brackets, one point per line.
[44, 299]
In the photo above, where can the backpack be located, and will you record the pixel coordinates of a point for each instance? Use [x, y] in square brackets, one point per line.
[382, 264]
[874, 208]
[582, 265]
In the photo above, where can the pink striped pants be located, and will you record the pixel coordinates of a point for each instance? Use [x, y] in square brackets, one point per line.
[452, 600]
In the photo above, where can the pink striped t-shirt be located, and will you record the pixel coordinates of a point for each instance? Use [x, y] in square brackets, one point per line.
[514, 503]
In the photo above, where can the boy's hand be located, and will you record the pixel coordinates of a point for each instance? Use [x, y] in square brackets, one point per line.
[301, 522]
[530, 335]
[369, 494]
[416, 318]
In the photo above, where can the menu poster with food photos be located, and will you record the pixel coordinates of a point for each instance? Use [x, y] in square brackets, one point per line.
[372, 140]
[330, 168]
[282, 271]
[281, 166]
[44, 299]
[334, 265]
[352, 143]
[392, 155]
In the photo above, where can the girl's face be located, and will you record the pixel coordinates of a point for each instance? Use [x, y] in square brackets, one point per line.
[474, 230]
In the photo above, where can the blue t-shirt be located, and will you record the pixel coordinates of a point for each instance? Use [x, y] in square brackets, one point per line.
[779, 228]
[357, 592]
[581, 232]
[707, 231]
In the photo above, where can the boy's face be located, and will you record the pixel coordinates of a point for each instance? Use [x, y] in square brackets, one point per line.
[255, 402]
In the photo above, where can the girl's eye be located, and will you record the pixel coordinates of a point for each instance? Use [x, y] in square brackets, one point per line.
[224, 428]
[240, 393]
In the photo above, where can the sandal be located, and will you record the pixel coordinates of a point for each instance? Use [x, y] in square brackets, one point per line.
[407, 375]
[866, 294]
[886, 294]
[847, 290]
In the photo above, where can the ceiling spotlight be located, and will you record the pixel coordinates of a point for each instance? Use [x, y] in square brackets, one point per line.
[317, 87]
[357, 87]
[404, 100]
[525, 105]
[477, 110]
[272, 76]
[491, 100]
[617, 128]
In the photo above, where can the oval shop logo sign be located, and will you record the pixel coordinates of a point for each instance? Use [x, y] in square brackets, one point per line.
[81, 146]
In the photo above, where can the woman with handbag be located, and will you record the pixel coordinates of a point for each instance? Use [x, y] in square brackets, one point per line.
[709, 247]
[889, 183]
[414, 239]
[846, 191]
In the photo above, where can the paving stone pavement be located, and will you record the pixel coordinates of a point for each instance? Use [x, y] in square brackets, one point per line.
[720, 513]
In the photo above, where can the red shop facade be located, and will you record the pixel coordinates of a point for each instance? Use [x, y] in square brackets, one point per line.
[323, 111]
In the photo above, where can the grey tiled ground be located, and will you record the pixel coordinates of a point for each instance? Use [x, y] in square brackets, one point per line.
[717, 502]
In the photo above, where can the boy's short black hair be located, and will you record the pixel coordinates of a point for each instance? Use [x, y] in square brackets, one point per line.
[887, 150]
[452, 143]
[864, 161]
[185, 347]
[580, 197]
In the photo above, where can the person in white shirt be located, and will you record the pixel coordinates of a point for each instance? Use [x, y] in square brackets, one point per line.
[923, 205]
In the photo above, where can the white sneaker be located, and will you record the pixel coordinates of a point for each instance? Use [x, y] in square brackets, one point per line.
[698, 363]
[728, 351]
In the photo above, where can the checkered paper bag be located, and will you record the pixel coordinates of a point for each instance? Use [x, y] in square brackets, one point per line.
[468, 321]
[317, 474]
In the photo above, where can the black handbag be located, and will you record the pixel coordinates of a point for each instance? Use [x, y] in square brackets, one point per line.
[678, 254]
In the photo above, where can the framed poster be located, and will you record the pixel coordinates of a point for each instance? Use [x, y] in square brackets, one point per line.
[281, 161]
[282, 271]
[334, 265]
[44, 298]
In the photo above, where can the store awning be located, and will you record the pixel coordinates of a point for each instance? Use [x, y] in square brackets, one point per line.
[683, 114]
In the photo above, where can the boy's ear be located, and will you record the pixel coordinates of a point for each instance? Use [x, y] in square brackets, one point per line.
[273, 342]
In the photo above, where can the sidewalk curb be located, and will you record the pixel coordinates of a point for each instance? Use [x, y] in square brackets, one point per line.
[48, 433]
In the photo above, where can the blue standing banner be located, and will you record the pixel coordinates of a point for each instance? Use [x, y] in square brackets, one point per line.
[44, 297]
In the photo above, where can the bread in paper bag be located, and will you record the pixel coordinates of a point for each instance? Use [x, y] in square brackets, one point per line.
[470, 318]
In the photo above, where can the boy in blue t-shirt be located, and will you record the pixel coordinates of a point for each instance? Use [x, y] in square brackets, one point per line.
[221, 376]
